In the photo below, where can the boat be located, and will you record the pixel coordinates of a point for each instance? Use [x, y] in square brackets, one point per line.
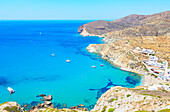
[11, 91]
[40, 33]
[52, 54]
[101, 65]
[68, 61]
[93, 66]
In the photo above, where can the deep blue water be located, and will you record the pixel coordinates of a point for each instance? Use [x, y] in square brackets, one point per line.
[27, 66]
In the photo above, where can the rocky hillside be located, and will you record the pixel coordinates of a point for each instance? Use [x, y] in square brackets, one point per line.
[119, 99]
[120, 55]
[130, 26]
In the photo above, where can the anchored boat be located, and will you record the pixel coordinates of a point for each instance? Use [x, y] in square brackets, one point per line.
[68, 61]
[11, 91]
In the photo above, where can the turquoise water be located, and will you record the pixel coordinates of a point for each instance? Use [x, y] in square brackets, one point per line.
[27, 66]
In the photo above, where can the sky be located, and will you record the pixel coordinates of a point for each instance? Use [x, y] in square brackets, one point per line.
[78, 9]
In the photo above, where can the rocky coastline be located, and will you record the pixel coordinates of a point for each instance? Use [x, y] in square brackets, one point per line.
[119, 37]
[119, 49]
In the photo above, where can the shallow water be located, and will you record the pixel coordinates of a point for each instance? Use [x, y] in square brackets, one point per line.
[27, 66]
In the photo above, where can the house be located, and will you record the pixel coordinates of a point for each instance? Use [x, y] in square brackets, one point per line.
[152, 88]
[148, 51]
[137, 48]
[160, 65]
[153, 58]
[151, 63]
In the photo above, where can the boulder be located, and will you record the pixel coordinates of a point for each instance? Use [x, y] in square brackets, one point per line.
[48, 98]
[48, 102]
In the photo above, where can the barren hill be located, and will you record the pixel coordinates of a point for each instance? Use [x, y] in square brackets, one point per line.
[131, 26]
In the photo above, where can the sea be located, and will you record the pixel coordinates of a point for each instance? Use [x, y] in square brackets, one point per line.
[27, 64]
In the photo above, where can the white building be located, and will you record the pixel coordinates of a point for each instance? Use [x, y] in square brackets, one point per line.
[153, 58]
[137, 48]
[148, 51]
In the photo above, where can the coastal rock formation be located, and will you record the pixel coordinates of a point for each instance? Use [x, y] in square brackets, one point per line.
[10, 107]
[122, 99]
[120, 55]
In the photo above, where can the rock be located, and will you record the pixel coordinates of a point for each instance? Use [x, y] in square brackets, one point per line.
[48, 102]
[64, 105]
[81, 105]
[25, 105]
[41, 95]
[48, 98]
[74, 107]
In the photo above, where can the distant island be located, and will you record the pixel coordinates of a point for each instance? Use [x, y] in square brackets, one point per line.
[135, 43]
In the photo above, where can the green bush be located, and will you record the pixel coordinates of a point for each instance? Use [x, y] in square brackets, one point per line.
[116, 90]
[128, 95]
[11, 109]
[146, 69]
[144, 98]
[104, 109]
[165, 91]
[111, 110]
[159, 97]
[112, 99]
[164, 110]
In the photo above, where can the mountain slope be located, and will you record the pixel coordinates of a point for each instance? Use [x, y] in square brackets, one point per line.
[131, 26]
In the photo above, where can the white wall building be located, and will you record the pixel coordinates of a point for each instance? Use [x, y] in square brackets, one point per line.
[153, 58]
[148, 51]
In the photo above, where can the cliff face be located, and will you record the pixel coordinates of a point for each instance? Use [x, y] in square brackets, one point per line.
[120, 54]
[122, 99]
[131, 26]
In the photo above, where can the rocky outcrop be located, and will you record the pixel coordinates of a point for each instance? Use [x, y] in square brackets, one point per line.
[120, 55]
[10, 107]
[122, 99]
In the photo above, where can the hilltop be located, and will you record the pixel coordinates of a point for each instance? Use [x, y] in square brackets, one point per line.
[130, 26]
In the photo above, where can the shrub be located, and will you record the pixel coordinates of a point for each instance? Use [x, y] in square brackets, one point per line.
[165, 91]
[144, 98]
[128, 95]
[112, 99]
[121, 97]
[116, 90]
[104, 109]
[164, 110]
[11, 109]
[159, 97]
[111, 110]
[146, 69]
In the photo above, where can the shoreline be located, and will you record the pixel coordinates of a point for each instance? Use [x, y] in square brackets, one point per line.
[147, 80]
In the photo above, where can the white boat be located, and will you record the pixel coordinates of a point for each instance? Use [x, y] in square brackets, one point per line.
[11, 91]
[40, 33]
[93, 66]
[52, 54]
[68, 61]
